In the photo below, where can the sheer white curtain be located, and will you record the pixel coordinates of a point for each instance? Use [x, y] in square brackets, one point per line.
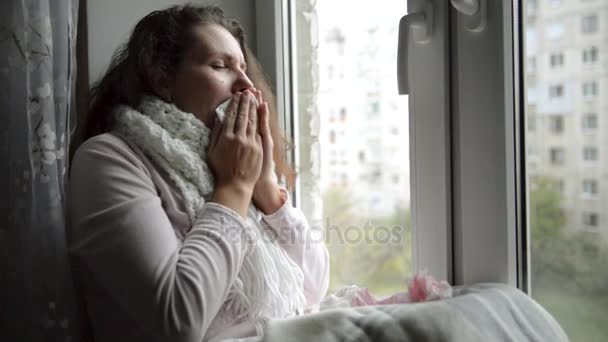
[37, 108]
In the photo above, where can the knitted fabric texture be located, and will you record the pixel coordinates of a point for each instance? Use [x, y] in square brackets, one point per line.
[269, 283]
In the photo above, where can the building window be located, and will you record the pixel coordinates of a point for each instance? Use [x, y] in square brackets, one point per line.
[557, 155]
[343, 114]
[556, 91]
[590, 23]
[590, 187]
[589, 121]
[590, 89]
[590, 55]
[590, 153]
[590, 250]
[590, 219]
[375, 107]
[332, 137]
[344, 178]
[532, 98]
[362, 156]
[531, 7]
[556, 124]
[376, 176]
[556, 59]
[531, 123]
[559, 186]
[531, 65]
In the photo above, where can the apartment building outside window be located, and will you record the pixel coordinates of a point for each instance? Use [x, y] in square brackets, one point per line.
[574, 157]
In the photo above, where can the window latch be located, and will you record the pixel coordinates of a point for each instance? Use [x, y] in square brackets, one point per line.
[475, 10]
[422, 24]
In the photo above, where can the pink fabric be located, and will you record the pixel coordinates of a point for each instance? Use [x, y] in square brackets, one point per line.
[421, 288]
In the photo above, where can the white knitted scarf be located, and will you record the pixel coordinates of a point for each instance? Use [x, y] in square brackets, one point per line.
[269, 284]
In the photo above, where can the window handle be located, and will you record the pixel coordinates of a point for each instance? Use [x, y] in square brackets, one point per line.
[422, 23]
[475, 10]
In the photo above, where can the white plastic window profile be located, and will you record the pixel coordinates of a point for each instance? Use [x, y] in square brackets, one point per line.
[424, 74]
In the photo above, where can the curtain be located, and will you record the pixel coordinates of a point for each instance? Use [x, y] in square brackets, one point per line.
[37, 108]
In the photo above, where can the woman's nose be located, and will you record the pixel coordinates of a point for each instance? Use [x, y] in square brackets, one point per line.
[242, 83]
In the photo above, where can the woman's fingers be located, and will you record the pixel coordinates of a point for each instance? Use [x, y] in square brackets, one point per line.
[264, 119]
[252, 121]
[240, 125]
[258, 96]
[231, 113]
[267, 142]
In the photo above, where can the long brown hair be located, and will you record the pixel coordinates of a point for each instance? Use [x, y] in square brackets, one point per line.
[156, 46]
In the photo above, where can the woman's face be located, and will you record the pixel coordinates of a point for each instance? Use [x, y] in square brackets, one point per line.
[212, 70]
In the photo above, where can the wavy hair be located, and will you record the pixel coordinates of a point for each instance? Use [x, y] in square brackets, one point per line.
[156, 47]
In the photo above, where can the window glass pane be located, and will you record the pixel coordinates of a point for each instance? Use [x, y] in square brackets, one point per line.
[353, 133]
[567, 186]
[589, 122]
[590, 23]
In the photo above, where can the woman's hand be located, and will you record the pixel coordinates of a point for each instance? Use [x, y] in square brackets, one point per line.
[266, 194]
[235, 154]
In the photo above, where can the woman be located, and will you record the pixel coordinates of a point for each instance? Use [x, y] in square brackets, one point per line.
[179, 230]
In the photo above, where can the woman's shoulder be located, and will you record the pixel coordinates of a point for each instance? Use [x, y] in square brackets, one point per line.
[104, 142]
[108, 143]
[108, 148]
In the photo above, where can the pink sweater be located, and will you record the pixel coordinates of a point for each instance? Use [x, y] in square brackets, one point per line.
[145, 272]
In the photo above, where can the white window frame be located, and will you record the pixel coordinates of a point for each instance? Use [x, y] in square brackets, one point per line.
[490, 239]
[429, 150]
[473, 217]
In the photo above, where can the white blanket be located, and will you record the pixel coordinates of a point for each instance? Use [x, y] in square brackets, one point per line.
[483, 312]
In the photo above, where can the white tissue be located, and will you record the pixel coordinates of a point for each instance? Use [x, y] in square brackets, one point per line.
[220, 111]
